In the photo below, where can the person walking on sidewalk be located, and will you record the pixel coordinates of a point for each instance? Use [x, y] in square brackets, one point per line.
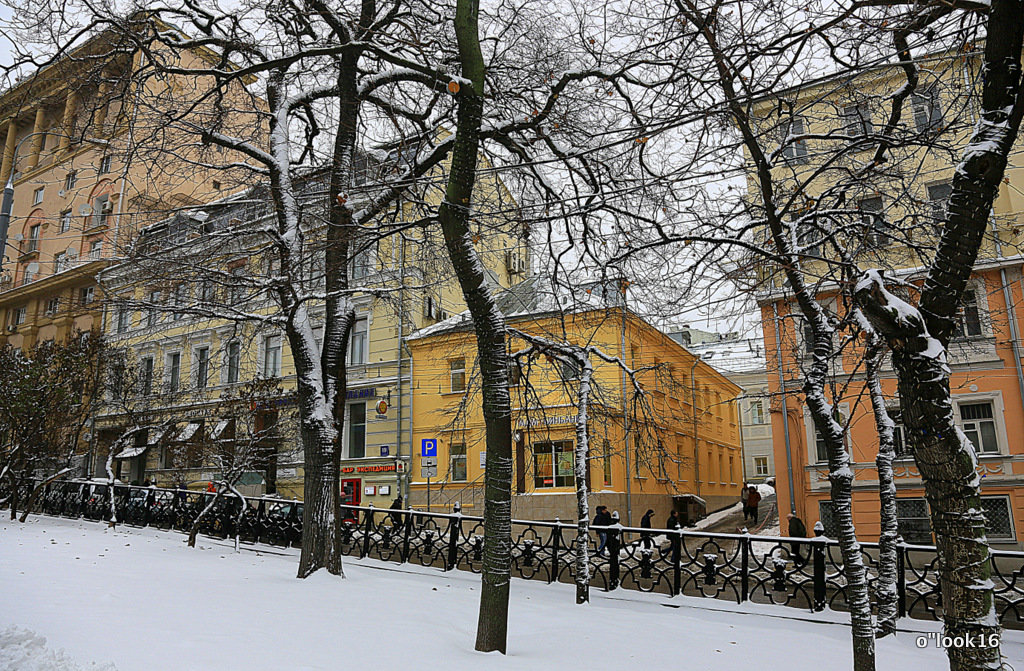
[645, 536]
[602, 519]
[753, 498]
[797, 530]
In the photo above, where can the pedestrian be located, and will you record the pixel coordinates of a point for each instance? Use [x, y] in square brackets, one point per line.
[396, 517]
[602, 519]
[753, 498]
[797, 530]
[673, 520]
[744, 495]
[819, 529]
[645, 536]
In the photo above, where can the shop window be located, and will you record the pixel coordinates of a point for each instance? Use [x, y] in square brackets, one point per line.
[913, 522]
[457, 374]
[357, 431]
[978, 422]
[553, 464]
[457, 468]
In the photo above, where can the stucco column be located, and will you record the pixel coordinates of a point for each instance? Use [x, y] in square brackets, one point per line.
[12, 136]
[103, 92]
[37, 139]
[67, 123]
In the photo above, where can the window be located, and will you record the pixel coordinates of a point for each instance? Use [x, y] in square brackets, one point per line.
[457, 371]
[998, 521]
[553, 464]
[234, 360]
[874, 224]
[202, 367]
[978, 422]
[37, 195]
[938, 196]
[357, 343]
[102, 209]
[927, 113]
[179, 297]
[272, 356]
[357, 431]
[104, 164]
[237, 284]
[515, 373]
[173, 371]
[146, 375]
[857, 120]
[70, 180]
[362, 262]
[457, 469]
[794, 150]
[827, 517]
[899, 435]
[606, 450]
[95, 250]
[60, 261]
[761, 466]
[152, 314]
[569, 370]
[65, 221]
[206, 292]
[968, 324]
[820, 448]
[808, 234]
[32, 244]
[53, 306]
[913, 522]
[86, 295]
[124, 320]
[18, 315]
[756, 410]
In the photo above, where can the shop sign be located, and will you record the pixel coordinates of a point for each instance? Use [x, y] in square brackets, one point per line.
[379, 468]
[554, 420]
[356, 394]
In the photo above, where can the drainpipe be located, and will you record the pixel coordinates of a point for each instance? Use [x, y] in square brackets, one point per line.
[785, 410]
[1011, 316]
[625, 415]
[696, 425]
[401, 336]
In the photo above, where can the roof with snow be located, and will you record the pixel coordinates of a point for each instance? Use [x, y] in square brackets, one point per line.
[745, 355]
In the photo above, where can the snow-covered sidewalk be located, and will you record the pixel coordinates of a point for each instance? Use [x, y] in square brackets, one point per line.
[138, 599]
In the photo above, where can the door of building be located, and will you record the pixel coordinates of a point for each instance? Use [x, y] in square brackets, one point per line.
[351, 491]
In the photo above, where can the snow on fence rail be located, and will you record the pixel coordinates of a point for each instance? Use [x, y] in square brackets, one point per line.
[797, 572]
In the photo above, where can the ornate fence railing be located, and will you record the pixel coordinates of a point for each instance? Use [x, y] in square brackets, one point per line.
[797, 572]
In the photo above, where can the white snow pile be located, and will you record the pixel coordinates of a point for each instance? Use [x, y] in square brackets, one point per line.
[715, 517]
[23, 650]
[143, 601]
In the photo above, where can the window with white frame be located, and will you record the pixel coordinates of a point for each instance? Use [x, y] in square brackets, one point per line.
[761, 466]
[173, 371]
[938, 196]
[32, 244]
[457, 468]
[202, 367]
[53, 306]
[356, 430]
[272, 356]
[65, 221]
[37, 195]
[968, 317]
[105, 163]
[95, 250]
[146, 375]
[927, 111]
[457, 374]
[234, 361]
[820, 447]
[358, 343]
[70, 180]
[874, 224]
[977, 419]
[124, 317]
[756, 410]
[794, 150]
[857, 120]
[362, 262]
[899, 434]
[152, 313]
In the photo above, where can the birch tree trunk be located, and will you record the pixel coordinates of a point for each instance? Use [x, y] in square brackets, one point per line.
[885, 588]
[489, 324]
[919, 339]
[582, 505]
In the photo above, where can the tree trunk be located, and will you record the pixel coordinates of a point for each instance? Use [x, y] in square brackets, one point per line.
[945, 457]
[885, 588]
[31, 502]
[489, 324]
[194, 531]
[582, 505]
[321, 507]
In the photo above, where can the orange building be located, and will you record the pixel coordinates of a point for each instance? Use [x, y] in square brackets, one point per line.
[678, 448]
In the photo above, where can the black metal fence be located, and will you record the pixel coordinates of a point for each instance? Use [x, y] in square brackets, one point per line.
[801, 573]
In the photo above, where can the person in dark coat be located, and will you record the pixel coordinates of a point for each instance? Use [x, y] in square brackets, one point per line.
[753, 498]
[645, 536]
[396, 517]
[673, 521]
[744, 495]
[797, 530]
[602, 519]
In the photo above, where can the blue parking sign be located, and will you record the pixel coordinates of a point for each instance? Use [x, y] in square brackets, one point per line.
[429, 447]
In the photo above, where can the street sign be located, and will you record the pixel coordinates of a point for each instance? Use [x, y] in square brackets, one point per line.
[385, 450]
[429, 447]
[428, 461]
[428, 471]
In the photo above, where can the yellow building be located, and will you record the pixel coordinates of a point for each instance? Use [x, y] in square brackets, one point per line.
[680, 445]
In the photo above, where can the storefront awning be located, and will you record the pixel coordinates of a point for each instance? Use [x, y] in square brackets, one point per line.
[219, 429]
[187, 432]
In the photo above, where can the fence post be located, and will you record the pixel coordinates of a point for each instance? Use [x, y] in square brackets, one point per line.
[677, 571]
[613, 557]
[556, 537]
[454, 526]
[366, 533]
[901, 578]
[745, 568]
[818, 553]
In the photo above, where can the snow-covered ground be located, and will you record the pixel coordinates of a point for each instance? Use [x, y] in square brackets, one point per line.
[138, 599]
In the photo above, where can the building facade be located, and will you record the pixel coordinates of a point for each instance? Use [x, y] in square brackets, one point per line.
[678, 448]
